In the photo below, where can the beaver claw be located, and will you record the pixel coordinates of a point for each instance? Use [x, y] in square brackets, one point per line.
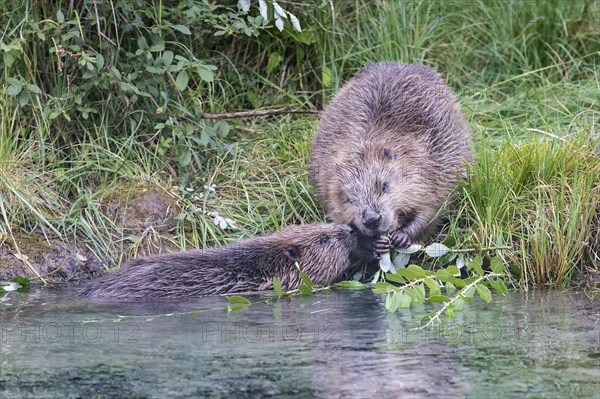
[400, 239]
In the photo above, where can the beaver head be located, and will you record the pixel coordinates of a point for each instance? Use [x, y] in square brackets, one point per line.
[322, 250]
[379, 188]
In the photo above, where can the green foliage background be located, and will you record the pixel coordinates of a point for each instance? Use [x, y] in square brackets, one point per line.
[98, 95]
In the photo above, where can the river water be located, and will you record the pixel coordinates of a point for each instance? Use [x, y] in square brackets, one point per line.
[537, 344]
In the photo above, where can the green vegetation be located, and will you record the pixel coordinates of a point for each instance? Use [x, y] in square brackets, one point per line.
[99, 98]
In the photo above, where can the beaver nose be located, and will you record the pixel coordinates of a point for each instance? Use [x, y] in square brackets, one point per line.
[371, 219]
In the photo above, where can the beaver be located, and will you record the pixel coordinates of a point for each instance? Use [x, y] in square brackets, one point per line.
[389, 149]
[321, 250]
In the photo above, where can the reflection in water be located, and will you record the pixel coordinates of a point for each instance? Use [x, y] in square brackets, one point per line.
[541, 344]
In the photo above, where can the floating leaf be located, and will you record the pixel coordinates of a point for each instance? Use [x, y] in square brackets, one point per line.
[277, 285]
[235, 308]
[436, 250]
[351, 285]
[238, 299]
[22, 280]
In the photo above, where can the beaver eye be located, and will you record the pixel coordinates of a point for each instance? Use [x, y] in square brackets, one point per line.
[323, 240]
[385, 188]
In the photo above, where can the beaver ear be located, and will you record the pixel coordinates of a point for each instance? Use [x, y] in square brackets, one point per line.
[387, 153]
[292, 253]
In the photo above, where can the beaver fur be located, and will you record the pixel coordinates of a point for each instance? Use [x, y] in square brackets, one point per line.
[322, 251]
[389, 149]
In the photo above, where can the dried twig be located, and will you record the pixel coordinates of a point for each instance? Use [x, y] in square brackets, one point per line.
[264, 112]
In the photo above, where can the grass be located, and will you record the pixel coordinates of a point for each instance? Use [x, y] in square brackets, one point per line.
[525, 72]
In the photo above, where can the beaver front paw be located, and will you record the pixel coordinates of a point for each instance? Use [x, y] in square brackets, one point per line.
[380, 246]
[400, 239]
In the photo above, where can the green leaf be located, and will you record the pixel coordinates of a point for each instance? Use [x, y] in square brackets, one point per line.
[238, 299]
[34, 89]
[235, 308]
[396, 278]
[277, 285]
[168, 58]
[484, 292]
[404, 301]
[476, 264]
[427, 318]
[438, 299]
[450, 287]
[496, 286]
[391, 302]
[382, 287]
[385, 263]
[459, 304]
[182, 80]
[205, 74]
[436, 250]
[469, 293]
[304, 290]
[183, 29]
[453, 270]
[432, 285]
[22, 280]
[442, 273]
[327, 76]
[449, 313]
[420, 290]
[497, 265]
[503, 287]
[14, 88]
[274, 60]
[306, 280]
[351, 285]
[185, 156]
[204, 137]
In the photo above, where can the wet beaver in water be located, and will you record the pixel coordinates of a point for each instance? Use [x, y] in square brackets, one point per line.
[389, 149]
[322, 251]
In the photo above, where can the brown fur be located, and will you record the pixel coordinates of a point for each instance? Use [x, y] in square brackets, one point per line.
[391, 144]
[322, 251]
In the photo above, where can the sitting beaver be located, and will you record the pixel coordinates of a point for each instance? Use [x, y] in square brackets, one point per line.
[322, 251]
[390, 148]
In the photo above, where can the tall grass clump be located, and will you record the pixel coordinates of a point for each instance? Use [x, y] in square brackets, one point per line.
[542, 198]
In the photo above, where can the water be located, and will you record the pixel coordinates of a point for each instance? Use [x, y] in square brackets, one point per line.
[542, 344]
